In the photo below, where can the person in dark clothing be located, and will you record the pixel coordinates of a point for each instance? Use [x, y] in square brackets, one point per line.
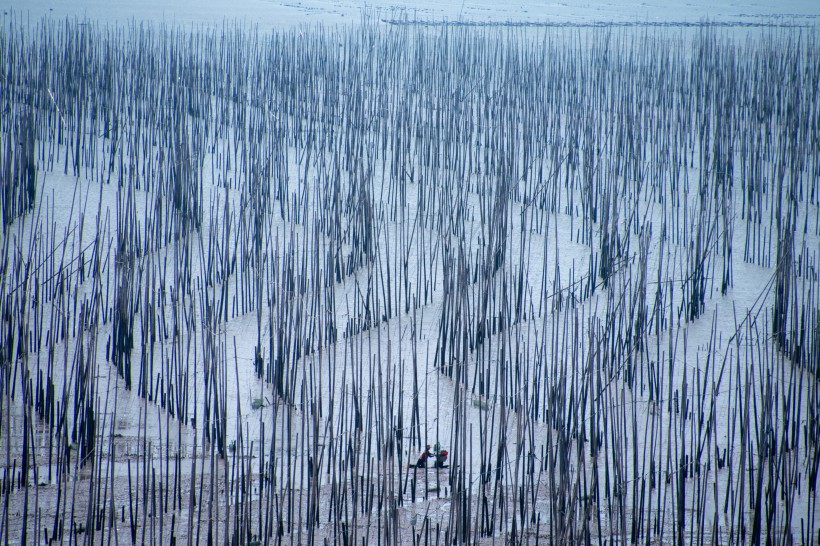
[441, 458]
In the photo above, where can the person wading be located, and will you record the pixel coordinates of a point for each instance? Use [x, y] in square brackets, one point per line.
[426, 454]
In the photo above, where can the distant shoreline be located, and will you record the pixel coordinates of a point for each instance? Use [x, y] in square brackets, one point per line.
[602, 24]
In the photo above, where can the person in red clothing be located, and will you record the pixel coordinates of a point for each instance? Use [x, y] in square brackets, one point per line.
[441, 458]
[426, 454]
